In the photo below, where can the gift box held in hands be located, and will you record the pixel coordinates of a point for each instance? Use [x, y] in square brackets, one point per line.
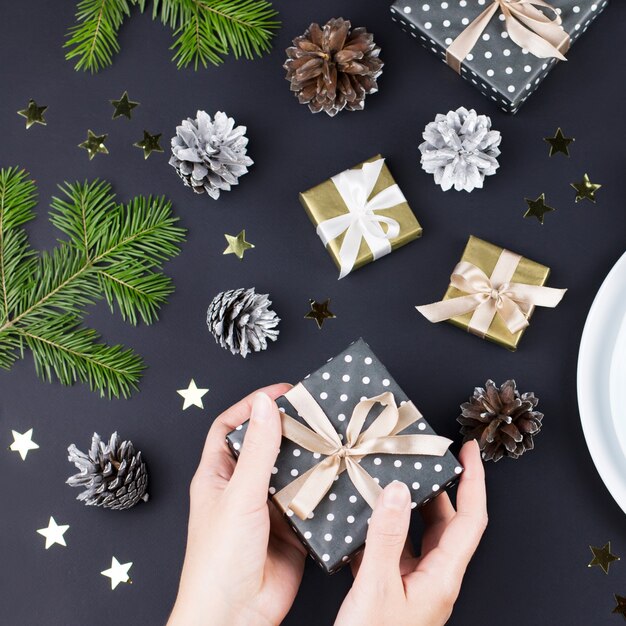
[493, 293]
[349, 430]
[361, 214]
[504, 47]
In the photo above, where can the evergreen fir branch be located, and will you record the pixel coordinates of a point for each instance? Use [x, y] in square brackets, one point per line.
[204, 30]
[11, 348]
[212, 28]
[112, 252]
[18, 197]
[136, 292]
[72, 354]
[94, 37]
[84, 214]
[172, 13]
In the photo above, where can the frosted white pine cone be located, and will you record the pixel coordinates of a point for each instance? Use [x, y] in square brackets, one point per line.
[112, 475]
[242, 321]
[460, 149]
[210, 154]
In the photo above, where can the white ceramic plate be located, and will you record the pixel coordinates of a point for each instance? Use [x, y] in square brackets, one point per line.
[602, 382]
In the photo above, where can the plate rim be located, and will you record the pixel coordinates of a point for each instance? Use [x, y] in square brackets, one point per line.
[614, 478]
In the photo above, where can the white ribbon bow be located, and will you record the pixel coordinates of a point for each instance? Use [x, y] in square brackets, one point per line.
[361, 221]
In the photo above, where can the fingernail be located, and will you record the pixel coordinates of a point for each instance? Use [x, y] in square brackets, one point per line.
[261, 407]
[396, 496]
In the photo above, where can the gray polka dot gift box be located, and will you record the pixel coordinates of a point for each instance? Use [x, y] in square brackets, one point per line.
[349, 430]
[505, 48]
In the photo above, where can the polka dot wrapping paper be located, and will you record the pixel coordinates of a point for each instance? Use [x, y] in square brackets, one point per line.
[496, 66]
[336, 529]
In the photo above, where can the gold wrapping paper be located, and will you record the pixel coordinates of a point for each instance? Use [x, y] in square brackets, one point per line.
[323, 202]
[485, 256]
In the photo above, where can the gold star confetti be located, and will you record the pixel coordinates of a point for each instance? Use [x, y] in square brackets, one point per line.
[585, 189]
[237, 244]
[54, 533]
[559, 143]
[118, 573]
[192, 395]
[23, 443]
[33, 114]
[537, 208]
[94, 144]
[319, 312]
[602, 557]
[123, 106]
[149, 144]
[620, 605]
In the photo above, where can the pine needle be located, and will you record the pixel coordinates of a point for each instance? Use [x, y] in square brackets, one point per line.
[112, 251]
[204, 30]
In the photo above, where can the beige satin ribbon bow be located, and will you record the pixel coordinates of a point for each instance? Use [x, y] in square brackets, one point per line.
[491, 296]
[527, 26]
[304, 494]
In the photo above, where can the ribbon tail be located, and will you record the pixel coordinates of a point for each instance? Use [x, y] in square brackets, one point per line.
[445, 309]
[535, 295]
[349, 250]
[364, 483]
[512, 315]
[369, 175]
[315, 487]
[534, 43]
[465, 42]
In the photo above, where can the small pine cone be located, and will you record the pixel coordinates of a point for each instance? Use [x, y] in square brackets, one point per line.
[210, 154]
[503, 422]
[112, 475]
[241, 320]
[332, 68]
[460, 149]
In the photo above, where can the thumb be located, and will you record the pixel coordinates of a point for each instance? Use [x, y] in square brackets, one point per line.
[386, 535]
[250, 481]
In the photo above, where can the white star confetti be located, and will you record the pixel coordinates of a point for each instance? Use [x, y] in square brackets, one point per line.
[54, 533]
[118, 573]
[23, 443]
[192, 395]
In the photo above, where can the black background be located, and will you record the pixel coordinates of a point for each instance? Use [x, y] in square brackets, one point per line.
[545, 509]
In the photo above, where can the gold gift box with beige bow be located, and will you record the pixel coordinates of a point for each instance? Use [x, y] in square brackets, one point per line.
[325, 202]
[493, 293]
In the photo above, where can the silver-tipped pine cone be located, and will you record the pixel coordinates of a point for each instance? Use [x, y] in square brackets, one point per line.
[112, 475]
[460, 149]
[242, 321]
[502, 421]
[210, 154]
[333, 67]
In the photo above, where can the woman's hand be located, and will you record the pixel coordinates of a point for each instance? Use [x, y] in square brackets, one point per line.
[392, 587]
[243, 563]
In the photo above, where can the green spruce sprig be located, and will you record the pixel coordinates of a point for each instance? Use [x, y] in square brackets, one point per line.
[112, 251]
[204, 30]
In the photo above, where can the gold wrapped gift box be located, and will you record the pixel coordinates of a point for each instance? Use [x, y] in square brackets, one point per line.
[485, 256]
[324, 202]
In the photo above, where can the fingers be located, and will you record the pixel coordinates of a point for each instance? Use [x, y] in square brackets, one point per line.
[464, 530]
[386, 536]
[250, 480]
[468, 525]
[216, 458]
[407, 559]
[438, 511]
[436, 514]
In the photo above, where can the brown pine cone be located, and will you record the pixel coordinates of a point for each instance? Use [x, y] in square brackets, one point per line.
[502, 421]
[333, 68]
